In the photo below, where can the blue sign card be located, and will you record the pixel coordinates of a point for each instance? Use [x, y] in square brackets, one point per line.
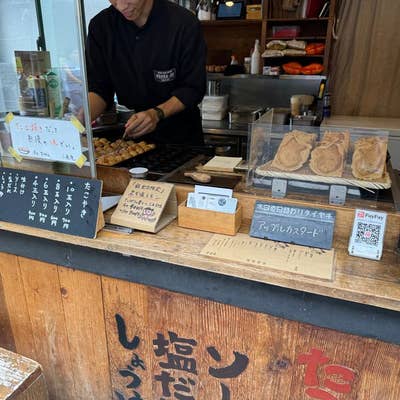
[58, 203]
[304, 226]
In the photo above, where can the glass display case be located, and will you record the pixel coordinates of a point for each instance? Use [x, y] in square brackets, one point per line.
[334, 164]
[43, 89]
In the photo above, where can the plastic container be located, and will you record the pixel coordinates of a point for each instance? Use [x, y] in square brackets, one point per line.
[213, 87]
[214, 115]
[286, 31]
[215, 103]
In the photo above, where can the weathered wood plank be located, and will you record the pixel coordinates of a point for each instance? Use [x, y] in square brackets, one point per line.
[272, 346]
[126, 315]
[6, 335]
[15, 307]
[84, 319]
[43, 297]
[36, 391]
[20, 378]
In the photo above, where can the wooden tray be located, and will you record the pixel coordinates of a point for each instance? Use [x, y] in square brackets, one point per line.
[305, 174]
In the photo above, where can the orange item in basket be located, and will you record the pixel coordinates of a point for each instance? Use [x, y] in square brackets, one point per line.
[312, 69]
[292, 68]
[315, 49]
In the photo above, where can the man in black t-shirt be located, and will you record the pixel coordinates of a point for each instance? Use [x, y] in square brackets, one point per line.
[152, 54]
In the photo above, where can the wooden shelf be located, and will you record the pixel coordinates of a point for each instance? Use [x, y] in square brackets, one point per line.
[297, 38]
[232, 22]
[298, 56]
[324, 19]
[238, 36]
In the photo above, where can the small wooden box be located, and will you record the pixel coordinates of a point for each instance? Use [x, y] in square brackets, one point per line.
[21, 378]
[210, 221]
[253, 11]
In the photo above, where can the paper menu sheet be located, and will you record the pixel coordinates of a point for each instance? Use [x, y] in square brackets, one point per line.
[316, 263]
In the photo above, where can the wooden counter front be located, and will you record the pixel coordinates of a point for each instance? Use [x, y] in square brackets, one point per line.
[104, 334]
[103, 338]
[359, 280]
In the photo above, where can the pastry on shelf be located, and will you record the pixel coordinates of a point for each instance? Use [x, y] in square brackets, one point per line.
[369, 158]
[294, 150]
[328, 159]
[337, 137]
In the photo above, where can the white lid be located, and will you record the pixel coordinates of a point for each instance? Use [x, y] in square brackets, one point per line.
[138, 170]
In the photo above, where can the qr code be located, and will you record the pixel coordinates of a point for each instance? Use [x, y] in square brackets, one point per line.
[368, 233]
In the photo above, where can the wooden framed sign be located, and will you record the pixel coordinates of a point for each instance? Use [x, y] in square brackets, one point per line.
[58, 203]
[146, 205]
[305, 226]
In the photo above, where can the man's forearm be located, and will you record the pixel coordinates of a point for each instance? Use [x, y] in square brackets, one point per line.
[97, 105]
[146, 121]
[172, 106]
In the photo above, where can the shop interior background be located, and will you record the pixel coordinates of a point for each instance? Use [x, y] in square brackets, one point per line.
[19, 30]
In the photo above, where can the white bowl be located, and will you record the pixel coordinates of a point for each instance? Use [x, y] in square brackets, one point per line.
[138, 172]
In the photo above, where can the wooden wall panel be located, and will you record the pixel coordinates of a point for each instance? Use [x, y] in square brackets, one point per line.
[75, 320]
[16, 307]
[273, 347]
[82, 303]
[6, 335]
[210, 324]
[45, 307]
[130, 303]
[274, 360]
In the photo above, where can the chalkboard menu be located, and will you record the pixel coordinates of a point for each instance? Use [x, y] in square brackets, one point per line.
[305, 226]
[57, 203]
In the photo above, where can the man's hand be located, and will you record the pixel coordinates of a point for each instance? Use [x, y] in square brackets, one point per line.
[141, 123]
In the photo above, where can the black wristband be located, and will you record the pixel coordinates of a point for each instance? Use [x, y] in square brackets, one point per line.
[160, 113]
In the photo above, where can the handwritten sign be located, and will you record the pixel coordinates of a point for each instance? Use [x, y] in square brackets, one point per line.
[146, 205]
[299, 225]
[45, 139]
[57, 203]
[316, 263]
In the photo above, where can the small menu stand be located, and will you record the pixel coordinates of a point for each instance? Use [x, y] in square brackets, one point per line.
[146, 206]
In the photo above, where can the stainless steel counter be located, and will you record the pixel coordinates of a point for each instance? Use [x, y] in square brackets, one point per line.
[224, 128]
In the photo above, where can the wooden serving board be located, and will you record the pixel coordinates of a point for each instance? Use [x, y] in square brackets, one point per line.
[228, 182]
[223, 164]
[305, 174]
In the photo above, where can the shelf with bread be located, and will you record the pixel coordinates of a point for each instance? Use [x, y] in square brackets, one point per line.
[237, 36]
[280, 24]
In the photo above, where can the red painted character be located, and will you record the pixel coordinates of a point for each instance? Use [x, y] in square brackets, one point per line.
[338, 378]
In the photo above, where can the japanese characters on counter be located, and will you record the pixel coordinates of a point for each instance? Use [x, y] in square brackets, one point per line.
[181, 361]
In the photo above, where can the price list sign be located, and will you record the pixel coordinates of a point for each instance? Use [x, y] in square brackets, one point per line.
[57, 203]
[305, 226]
